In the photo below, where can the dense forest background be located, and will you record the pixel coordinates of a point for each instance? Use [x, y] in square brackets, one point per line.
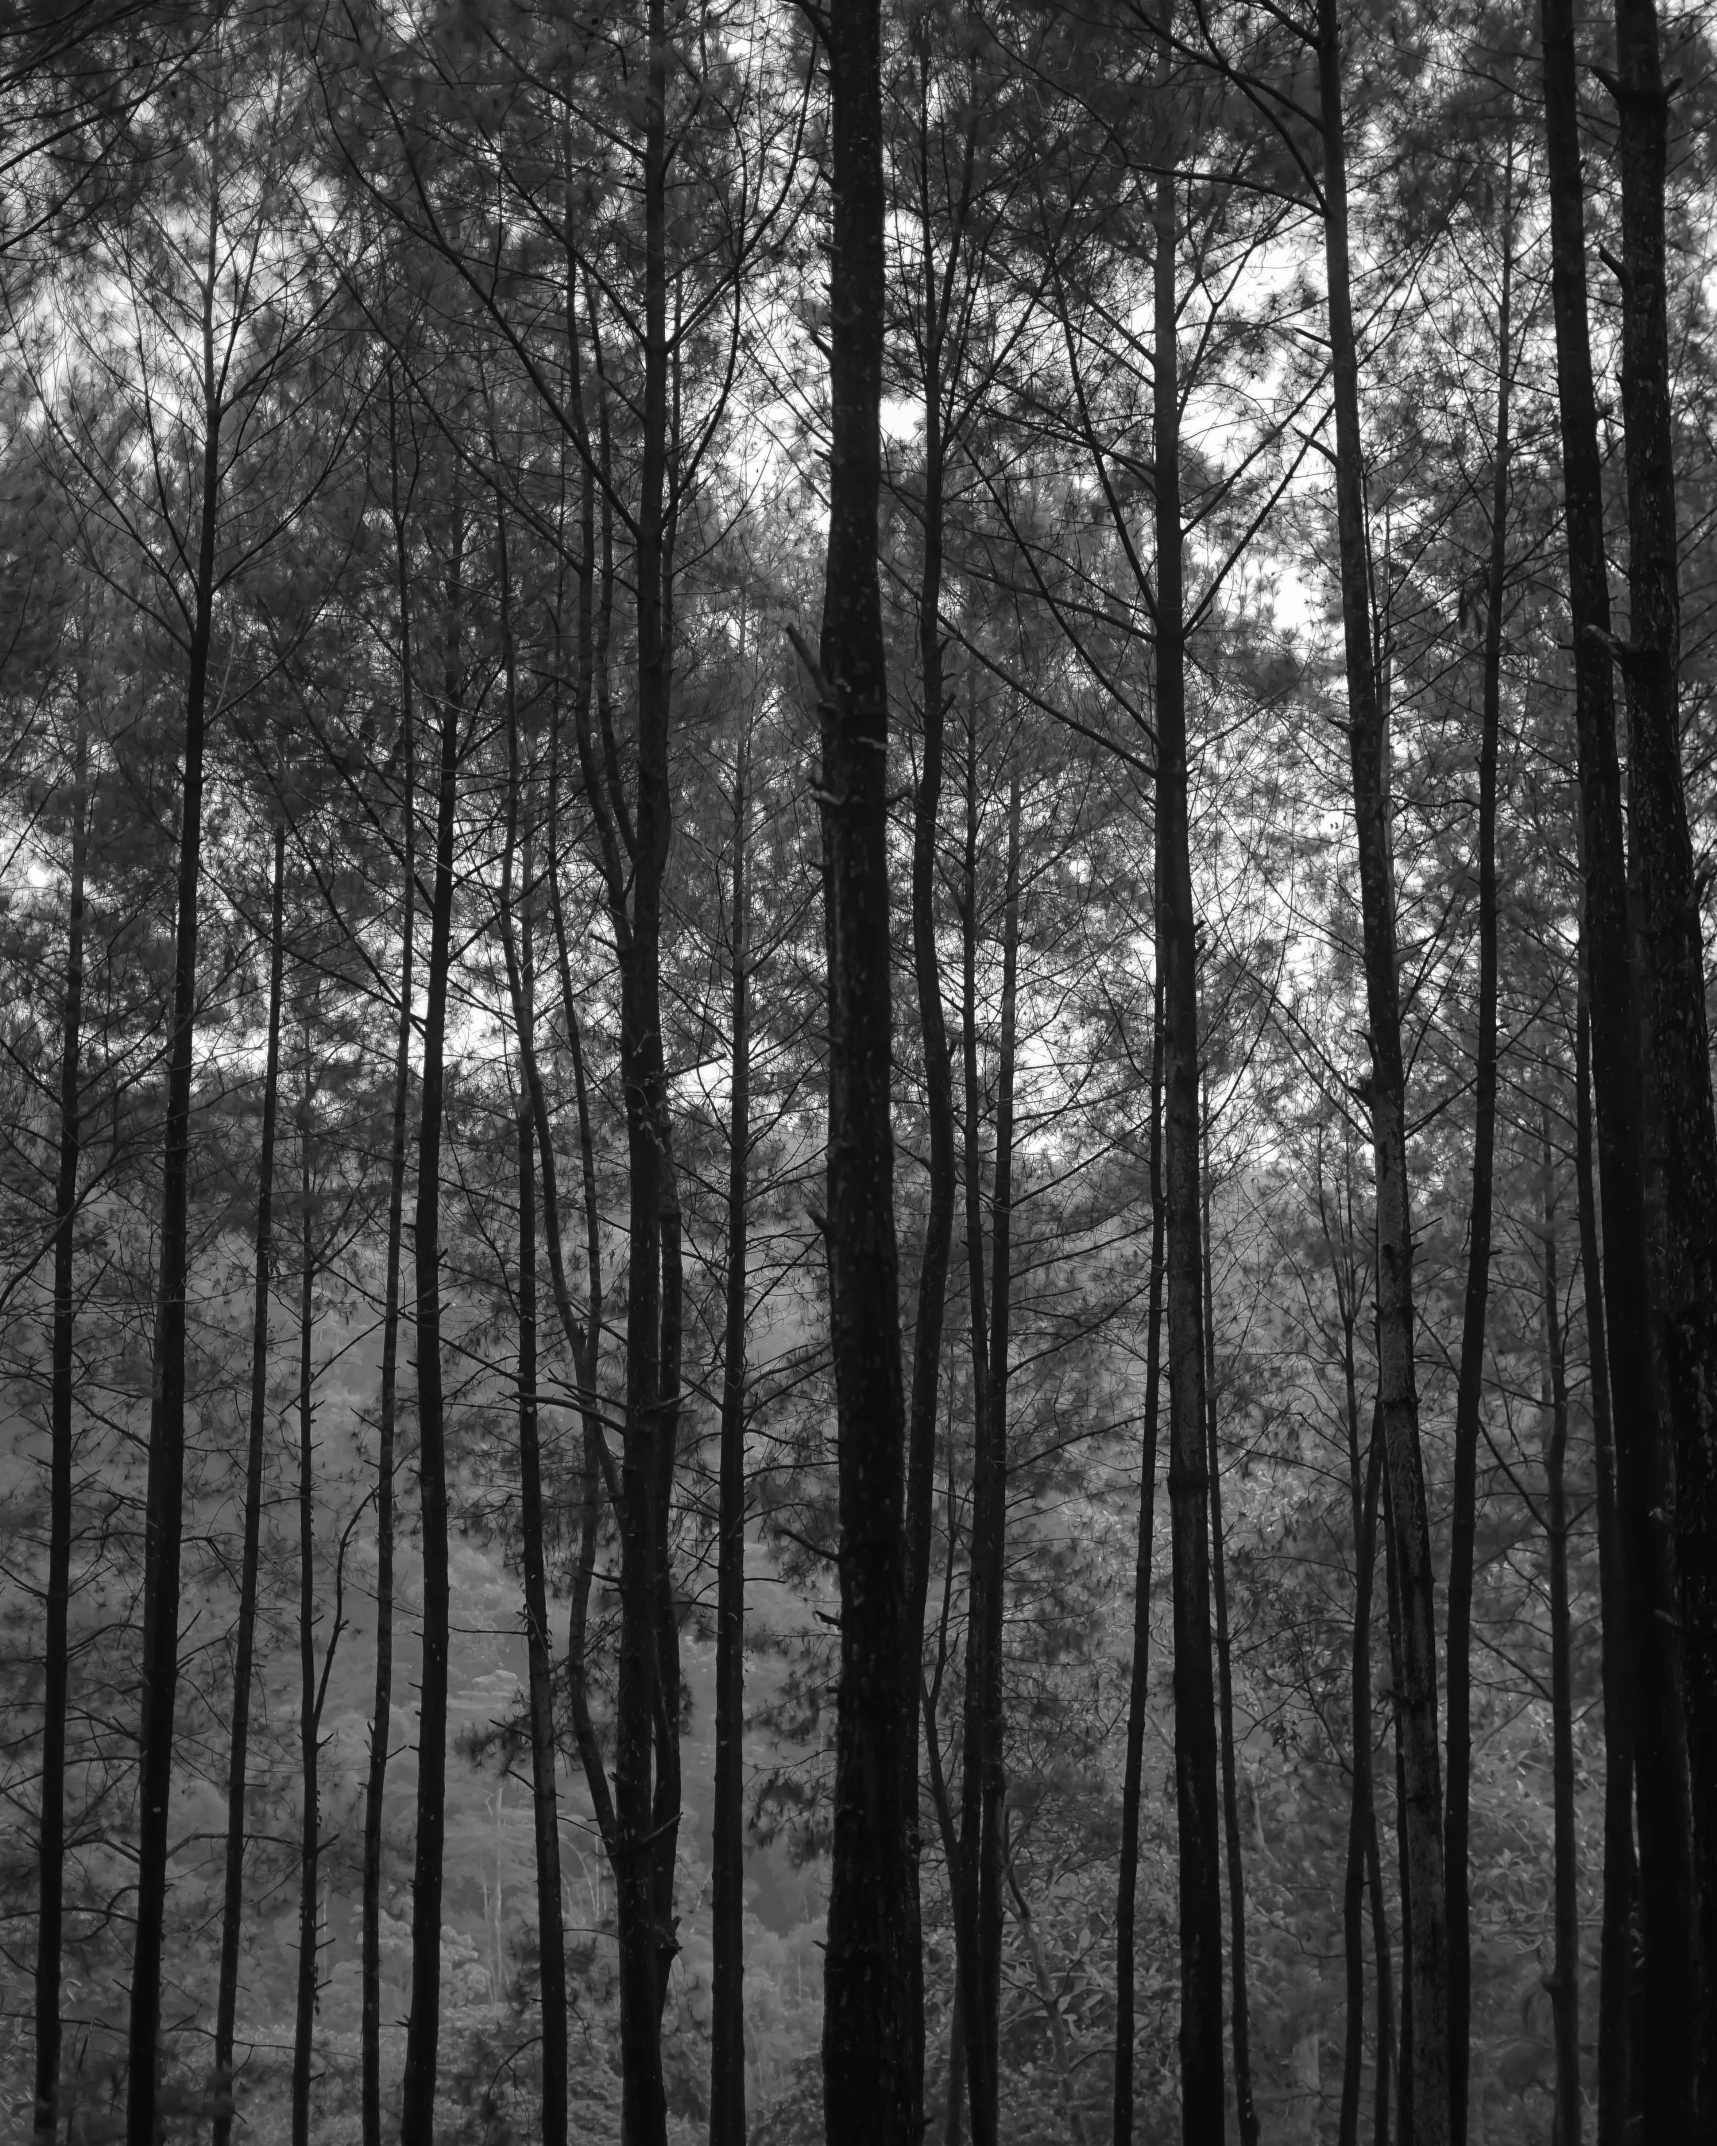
[855, 1117]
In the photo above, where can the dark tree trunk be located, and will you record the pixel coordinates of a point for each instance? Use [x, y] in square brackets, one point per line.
[1564, 1982]
[984, 1780]
[1673, 961]
[309, 1727]
[1646, 1601]
[244, 1650]
[1425, 1914]
[1138, 1684]
[1616, 2069]
[56, 1691]
[727, 2021]
[1363, 1481]
[381, 1713]
[520, 959]
[423, 2031]
[938, 1061]
[1240, 2025]
[1201, 2062]
[867, 2067]
[166, 1477]
[1469, 1392]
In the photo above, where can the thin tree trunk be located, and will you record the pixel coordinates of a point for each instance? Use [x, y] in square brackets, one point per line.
[164, 1496]
[1469, 1393]
[1426, 1907]
[56, 1693]
[520, 961]
[1678, 1064]
[381, 1714]
[244, 1650]
[308, 1726]
[868, 2083]
[1616, 2082]
[1240, 2025]
[1565, 1979]
[1387, 2056]
[933, 1033]
[423, 2031]
[1646, 1604]
[968, 1941]
[727, 2021]
[1138, 1685]
[1405, 2071]
[1363, 1480]
[1203, 2119]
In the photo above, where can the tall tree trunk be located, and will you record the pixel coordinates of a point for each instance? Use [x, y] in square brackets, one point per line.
[727, 2021]
[1673, 959]
[1565, 1976]
[1469, 1392]
[868, 2085]
[381, 1712]
[244, 1649]
[423, 2031]
[1201, 2064]
[1240, 2025]
[164, 1497]
[938, 1061]
[1138, 1683]
[56, 1693]
[984, 1783]
[1363, 1481]
[1646, 1601]
[1616, 2080]
[309, 1730]
[519, 954]
[1426, 1907]
[966, 1879]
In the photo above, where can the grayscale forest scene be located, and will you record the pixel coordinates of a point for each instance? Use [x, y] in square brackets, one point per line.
[858, 1182]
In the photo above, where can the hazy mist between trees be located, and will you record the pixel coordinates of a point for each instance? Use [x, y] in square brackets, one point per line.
[857, 1166]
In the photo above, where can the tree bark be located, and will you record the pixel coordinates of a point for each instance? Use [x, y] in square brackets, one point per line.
[381, 1714]
[727, 2022]
[1138, 1684]
[1425, 1914]
[867, 2068]
[1201, 2063]
[423, 2031]
[1678, 1063]
[244, 1649]
[1469, 1393]
[1647, 1600]
[1240, 2026]
[1565, 1976]
[164, 1495]
[309, 1727]
[1616, 2070]
[56, 1692]
[1363, 1480]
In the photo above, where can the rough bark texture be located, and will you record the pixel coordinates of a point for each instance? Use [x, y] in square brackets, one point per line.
[309, 1712]
[244, 1644]
[56, 1682]
[1426, 1950]
[1240, 2026]
[867, 2071]
[1564, 1982]
[1196, 1798]
[1646, 1598]
[727, 2021]
[1616, 2069]
[1683, 1175]
[423, 2032]
[381, 1707]
[1469, 1392]
[164, 1495]
[1138, 1683]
